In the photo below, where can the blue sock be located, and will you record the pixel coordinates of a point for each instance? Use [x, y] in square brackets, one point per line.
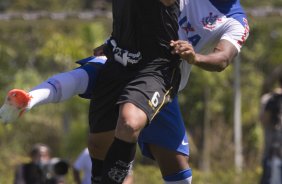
[182, 175]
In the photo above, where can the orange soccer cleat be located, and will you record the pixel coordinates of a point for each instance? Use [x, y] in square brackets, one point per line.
[15, 105]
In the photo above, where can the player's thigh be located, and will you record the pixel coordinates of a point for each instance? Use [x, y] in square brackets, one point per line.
[99, 143]
[104, 111]
[170, 162]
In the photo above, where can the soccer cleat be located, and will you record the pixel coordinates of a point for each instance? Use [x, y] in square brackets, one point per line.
[15, 105]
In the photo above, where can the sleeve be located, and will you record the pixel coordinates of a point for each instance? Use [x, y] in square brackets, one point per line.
[236, 31]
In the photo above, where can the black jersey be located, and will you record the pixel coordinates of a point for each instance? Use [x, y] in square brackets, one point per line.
[158, 25]
[124, 24]
[146, 26]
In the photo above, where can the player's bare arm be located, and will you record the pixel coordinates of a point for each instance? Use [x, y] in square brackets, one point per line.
[218, 60]
[184, 49]
[99, 51]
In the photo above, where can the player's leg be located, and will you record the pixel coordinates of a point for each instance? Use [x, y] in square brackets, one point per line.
[56, 89]
[99, 142]
[65, 85]
[169, 149]
[119, 158]
[165, 140]
[173, 165]
[140, 100]
[59, 88]
[98, 145]
[103, 114]
[98, 151]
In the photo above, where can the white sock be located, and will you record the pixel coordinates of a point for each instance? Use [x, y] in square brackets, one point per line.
[59, 87]
[185, 181]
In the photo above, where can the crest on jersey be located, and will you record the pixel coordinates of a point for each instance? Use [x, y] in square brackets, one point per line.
[210, 21]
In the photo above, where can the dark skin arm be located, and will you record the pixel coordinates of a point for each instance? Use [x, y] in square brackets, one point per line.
[218, 60]
[99, 51]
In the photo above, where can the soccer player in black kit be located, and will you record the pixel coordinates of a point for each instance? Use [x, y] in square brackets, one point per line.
[126, 99]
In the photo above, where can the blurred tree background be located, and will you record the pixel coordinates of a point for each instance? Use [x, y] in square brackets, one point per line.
[33, 50]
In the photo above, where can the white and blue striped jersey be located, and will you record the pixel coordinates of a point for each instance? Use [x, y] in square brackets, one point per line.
[205, 22]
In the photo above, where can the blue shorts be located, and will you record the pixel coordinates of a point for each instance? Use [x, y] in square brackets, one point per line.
[167, 129]
[92, 67]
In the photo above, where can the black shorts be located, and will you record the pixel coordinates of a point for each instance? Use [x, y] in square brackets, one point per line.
[149, 88]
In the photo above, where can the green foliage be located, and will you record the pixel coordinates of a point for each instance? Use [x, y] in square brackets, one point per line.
[150, 174]
[146, 174]
[77, 131]
[53, 5]
[228, 176]
[262, 3]
[25, 78]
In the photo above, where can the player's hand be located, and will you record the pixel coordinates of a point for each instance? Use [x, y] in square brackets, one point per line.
[99, 51]
[184, 50]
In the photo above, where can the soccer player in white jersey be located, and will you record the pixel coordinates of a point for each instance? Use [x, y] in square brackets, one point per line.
[211, 32]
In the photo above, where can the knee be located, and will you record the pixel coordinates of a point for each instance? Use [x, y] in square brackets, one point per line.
[130, 123]
[127, 129]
